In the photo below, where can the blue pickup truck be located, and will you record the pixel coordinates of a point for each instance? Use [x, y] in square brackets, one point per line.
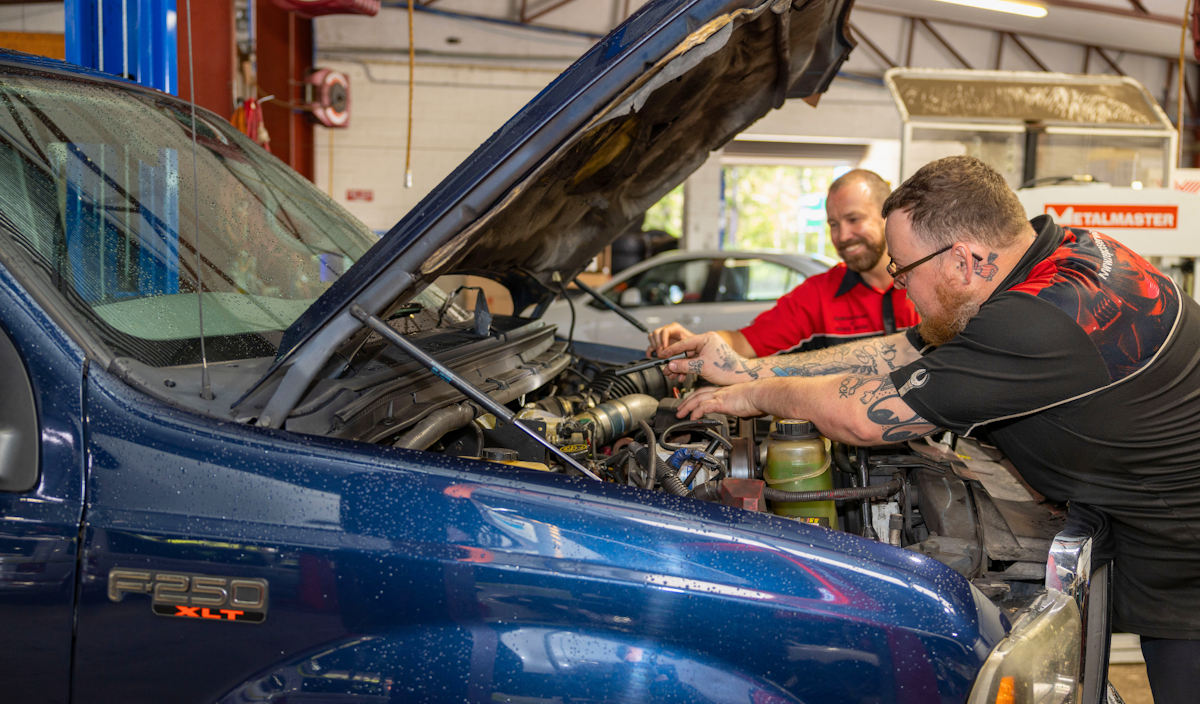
[250, 453]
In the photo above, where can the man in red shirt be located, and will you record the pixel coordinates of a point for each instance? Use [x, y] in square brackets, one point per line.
[853, 300]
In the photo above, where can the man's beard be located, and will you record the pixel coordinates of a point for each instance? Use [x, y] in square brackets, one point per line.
[866, 259]
[956, 310]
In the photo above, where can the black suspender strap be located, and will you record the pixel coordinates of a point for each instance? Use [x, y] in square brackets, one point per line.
[889, 313]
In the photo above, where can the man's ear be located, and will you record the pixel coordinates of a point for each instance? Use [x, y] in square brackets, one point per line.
[964, 262]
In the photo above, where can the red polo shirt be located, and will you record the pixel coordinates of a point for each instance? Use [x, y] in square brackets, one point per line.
[829, 309]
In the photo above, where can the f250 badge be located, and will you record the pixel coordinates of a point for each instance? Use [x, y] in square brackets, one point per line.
[200, 596]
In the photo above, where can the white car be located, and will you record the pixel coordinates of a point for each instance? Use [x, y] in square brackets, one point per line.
[701, 290]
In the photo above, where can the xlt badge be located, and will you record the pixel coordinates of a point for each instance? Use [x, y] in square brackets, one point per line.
[202, 596]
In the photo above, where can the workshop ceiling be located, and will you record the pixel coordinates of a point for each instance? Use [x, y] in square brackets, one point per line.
[1144, 26]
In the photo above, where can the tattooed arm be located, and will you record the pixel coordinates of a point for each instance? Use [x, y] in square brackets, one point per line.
[718, 363]
[875, 355]
[852, 408]
[846, 391]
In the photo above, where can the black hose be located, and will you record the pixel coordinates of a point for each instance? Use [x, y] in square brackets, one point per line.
[651, 382]
[852, 494]
[651, 464]
[714, 437]
[608, 385]
[708, 491]
[617, 458]
[717, 437]
[435, 425]
[841, 458]
[864, 482]
[661, 470]
[479, 440]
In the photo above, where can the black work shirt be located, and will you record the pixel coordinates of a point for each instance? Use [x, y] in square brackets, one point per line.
[1084, 367]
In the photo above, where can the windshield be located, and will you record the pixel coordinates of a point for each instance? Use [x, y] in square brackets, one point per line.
[96, 190]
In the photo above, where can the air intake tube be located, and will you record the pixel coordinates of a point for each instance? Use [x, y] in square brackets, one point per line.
[618, 417]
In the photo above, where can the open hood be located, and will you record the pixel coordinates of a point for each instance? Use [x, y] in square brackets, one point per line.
[607, 139]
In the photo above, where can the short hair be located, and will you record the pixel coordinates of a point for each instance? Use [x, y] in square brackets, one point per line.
[960, 198]
[875, 184]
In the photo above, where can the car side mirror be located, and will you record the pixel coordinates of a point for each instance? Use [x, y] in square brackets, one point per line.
[631, 298]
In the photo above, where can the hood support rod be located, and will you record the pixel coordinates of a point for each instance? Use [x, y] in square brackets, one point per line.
[611, 306]
[450, 377]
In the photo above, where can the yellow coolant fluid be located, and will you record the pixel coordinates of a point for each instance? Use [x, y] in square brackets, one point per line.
[509, 457]
[797, 461]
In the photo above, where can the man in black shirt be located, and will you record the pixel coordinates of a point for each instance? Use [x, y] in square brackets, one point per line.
[1079, 358]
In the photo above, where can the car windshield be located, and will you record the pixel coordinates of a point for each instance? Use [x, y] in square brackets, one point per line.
[97, 192]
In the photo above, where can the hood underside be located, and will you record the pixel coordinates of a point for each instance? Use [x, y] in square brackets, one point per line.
[707, 90]
[613, 134]
[563, 178]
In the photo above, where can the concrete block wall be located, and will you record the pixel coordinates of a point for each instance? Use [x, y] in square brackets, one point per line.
[455, 109]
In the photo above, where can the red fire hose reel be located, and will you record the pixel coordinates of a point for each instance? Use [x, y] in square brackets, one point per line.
[327, 93]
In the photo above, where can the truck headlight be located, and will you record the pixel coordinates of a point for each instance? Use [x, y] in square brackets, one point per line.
[1038, 663]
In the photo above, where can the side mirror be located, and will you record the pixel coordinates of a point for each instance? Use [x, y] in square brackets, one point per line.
[630, 298]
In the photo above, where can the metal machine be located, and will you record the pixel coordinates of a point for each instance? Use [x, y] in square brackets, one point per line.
[1154, 222]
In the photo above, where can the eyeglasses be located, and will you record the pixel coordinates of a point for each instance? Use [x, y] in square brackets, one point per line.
[899, 271]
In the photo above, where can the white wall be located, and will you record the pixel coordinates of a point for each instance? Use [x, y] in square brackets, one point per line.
[32, 17]
[455, 109]
[459, 101]
[471, 77]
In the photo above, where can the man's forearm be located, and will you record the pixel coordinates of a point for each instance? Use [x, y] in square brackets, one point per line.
[860, 409]
[846, 391]
[874, 356]
[711, 356]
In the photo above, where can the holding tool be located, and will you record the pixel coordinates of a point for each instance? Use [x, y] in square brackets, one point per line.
[651, 363]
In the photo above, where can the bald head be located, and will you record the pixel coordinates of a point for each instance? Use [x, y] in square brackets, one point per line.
[876, 186]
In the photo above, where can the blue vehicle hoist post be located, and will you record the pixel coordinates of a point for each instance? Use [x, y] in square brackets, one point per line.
[134, 39]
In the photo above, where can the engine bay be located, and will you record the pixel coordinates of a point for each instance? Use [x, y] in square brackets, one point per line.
[956, 500]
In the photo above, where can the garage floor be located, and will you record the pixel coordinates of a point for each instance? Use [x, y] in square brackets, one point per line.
[1131, 683]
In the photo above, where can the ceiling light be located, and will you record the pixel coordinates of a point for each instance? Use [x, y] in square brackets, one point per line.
[1016, 8]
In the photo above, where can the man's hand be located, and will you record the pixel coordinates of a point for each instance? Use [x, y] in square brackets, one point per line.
[732, 400]
[712, 358]
[667, 335]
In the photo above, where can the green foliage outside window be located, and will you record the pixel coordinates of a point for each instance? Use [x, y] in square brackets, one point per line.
[667, 214]
[778, 208]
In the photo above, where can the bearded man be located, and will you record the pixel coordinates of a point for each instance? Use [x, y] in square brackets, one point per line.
[851, 301]
[1074, 355]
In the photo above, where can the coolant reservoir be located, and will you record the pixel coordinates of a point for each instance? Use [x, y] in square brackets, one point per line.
[797, 461]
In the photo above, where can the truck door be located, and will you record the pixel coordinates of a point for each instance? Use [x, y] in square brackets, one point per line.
[41, 503]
